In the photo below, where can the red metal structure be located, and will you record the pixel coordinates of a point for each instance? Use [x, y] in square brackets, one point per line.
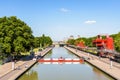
[109, 43]
[61, 60]
[81, 44]
[104, 46]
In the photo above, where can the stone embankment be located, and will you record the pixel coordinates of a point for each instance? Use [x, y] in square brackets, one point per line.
[104, 64]
[6, 72]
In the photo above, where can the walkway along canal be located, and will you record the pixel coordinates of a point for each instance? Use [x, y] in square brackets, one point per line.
[6, 73]
[113, 71]
[63, 71]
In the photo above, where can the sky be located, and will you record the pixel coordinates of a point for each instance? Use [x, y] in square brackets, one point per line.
[60, 19]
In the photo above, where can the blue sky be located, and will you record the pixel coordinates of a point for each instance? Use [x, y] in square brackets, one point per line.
[61, 18]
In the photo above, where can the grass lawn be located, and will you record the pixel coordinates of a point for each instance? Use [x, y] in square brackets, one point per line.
[92, 51]
[25, 53]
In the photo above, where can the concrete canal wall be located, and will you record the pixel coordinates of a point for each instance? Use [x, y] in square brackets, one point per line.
[6, 73]
[95, 61]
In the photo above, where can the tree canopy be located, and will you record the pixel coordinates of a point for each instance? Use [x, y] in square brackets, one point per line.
[116, 38]
[42, 41]
[71, 41]
[88, 41]
[15, 35]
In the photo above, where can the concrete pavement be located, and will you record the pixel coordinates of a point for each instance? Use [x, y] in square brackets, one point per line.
[6, 72]
[102, 64]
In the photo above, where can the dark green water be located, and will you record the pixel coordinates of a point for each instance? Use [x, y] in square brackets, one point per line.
[63, 71]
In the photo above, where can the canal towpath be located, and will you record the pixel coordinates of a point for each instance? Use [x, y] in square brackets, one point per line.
[101, 63]
[6, 72]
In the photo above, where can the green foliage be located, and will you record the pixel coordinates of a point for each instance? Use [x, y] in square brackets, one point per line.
[116, 38]
[43, 41]
[88, 41]
[78, 40]
[37, 42]
[71, 42]
[15, 35]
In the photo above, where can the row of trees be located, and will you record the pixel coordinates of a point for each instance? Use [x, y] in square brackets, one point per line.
[88, 41]
[116, 38]
[42, 41]
[16, 37]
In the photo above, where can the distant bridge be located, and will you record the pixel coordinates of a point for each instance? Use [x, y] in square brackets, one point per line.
[59, 43]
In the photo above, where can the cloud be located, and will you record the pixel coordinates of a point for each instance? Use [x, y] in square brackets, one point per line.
[64, 10]
[90, 22]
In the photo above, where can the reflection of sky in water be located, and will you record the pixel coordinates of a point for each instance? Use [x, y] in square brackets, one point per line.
[65, 71]
[60, 52]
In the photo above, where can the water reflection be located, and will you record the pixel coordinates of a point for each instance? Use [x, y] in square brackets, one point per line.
[30, 75]
[60, 51]
[62, 71]
[49, 54]
[99, 75]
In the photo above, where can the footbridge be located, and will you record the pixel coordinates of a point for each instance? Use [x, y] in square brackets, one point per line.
[59, 43]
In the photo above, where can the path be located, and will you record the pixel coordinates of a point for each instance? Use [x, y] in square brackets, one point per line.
[6, 72]
[102, 64]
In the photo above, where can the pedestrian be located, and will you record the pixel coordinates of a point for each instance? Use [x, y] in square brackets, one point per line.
[76, 50]
[18, 67]
[26, 66]
[92, 57]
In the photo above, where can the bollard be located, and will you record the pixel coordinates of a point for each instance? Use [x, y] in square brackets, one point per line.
[111, 64]
[13, 65]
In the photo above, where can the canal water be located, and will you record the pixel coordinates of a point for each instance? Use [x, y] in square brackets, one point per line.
[63, 71]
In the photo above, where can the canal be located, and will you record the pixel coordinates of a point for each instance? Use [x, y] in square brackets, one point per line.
[63, 71]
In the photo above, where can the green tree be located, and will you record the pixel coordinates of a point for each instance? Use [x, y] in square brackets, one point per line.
[45, 41]
[42, 41]
[116, 38]
[71, 42]
[37, 42]
[15, 35]
[78, 40]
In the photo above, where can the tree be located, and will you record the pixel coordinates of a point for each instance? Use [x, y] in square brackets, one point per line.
[116, 38]
[45, 41]
[88, 41]
[71, 42]
[15, 35]
[78, 40]
[37, 42]
[42, 41]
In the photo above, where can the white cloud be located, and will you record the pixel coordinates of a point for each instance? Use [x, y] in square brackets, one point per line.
[90, 22]
[64, 10]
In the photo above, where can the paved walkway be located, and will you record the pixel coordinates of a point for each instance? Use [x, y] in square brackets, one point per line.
[103, 63]
[6, 72]
[43, 53]
[7, 67]
[13, 74]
